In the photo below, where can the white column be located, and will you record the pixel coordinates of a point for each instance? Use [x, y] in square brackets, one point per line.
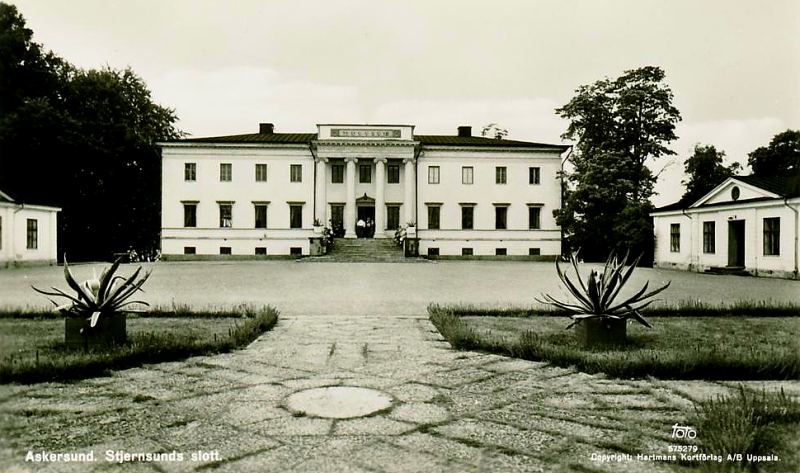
[408, 200]
[350, 206]
[380, 200]
[321, 192]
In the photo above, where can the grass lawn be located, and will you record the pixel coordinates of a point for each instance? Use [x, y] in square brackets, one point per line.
[711, 348]
[32, 349]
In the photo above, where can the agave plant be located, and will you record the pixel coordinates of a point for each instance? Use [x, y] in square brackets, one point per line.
[96, 297]
[594, 299]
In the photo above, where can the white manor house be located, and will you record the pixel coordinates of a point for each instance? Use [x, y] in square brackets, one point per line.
[267, 194]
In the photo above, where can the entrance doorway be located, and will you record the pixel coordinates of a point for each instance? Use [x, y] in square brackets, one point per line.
[366, 214]
[736, 243]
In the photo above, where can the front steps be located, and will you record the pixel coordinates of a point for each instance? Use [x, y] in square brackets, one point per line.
[729, 270]
[364, 250]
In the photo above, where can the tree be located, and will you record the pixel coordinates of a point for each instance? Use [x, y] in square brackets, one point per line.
[706, 171]
[620, 125]
[83, 140]
[780, 158]
[493, 130]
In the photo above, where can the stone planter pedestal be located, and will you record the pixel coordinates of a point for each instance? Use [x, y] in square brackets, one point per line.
[108, 331]
[602, 332]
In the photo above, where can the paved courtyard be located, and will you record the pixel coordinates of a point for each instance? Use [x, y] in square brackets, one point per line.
[364, 326]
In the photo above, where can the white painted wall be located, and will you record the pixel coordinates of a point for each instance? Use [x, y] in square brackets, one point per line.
[484, 193]
[242, 190]
[14, 234]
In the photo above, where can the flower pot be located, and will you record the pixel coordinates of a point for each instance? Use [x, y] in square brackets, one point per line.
[318, 229]
[602, 332]
[109, 330]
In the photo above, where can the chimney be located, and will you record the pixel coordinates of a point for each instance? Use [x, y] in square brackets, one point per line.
[266, 128]
[465, 131]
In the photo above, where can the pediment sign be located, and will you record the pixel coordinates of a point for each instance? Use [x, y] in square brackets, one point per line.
[365, 199]
[733, 191]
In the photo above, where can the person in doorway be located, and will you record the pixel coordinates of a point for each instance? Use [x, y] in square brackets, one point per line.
[360, 228]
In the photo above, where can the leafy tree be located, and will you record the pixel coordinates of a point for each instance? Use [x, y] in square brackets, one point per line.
[83, 140]
[780, 158]
[620, 125]
[493, 130]
[706, 171]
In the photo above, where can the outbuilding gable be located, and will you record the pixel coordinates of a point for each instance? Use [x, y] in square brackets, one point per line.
[734, 190]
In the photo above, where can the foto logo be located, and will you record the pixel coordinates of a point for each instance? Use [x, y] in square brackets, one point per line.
[683, 431]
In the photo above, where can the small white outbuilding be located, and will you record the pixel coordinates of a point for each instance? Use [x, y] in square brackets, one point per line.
[747, 224]
[27, 233]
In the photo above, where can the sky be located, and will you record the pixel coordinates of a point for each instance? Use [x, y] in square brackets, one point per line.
[226, 66]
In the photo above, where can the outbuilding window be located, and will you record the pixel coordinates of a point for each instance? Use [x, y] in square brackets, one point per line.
[33, 234]
[675, 238]
[772, 236]
[709, 237]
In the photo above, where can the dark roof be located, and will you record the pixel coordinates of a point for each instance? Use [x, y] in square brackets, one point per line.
[450, 140]
[785, 187]
[24, 196]
[431, 140]
[291, 138]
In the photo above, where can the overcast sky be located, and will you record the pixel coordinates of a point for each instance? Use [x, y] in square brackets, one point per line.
[225, 66]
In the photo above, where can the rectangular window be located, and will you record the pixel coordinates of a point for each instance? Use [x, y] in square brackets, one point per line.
[500, 175]
[534, 251]
[190, 172]
[433, 217]
[261, 173]
[772, 236]
[189, 250]
[466, 251]
[500, 217]
[225, 172]
[337, 173]
[296, 173]
[675, 238]
[433, 251]
[534, 218]
[224, 250]
[33, 234]
[225, 215]
[296, 251]
[393, 217]
[364, 173]
[709, 237]
[261, 250]
[467, 175]
[295, 216]
[467, 217]
[500, 251]
[261, 215]
[394, 174]
[433, 174]
[534, 176]
[190, 215]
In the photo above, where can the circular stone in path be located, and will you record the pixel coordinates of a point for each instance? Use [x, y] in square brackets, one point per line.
[338, 402]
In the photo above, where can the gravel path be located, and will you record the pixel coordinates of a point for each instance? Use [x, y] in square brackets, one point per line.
[450, 411]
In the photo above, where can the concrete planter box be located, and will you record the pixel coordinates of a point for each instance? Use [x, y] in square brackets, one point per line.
[108, 331]
[602, 332]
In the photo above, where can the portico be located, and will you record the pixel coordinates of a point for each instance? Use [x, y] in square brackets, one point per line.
[365, 166]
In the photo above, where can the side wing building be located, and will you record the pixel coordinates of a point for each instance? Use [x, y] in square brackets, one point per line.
[746, 224]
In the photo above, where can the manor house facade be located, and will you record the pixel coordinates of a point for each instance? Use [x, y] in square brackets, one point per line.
[266, 193]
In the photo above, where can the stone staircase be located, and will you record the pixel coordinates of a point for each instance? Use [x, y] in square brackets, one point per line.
[364, 250]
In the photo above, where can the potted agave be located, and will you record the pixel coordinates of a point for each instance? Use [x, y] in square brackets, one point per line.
[601, 321]
[97, 313]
